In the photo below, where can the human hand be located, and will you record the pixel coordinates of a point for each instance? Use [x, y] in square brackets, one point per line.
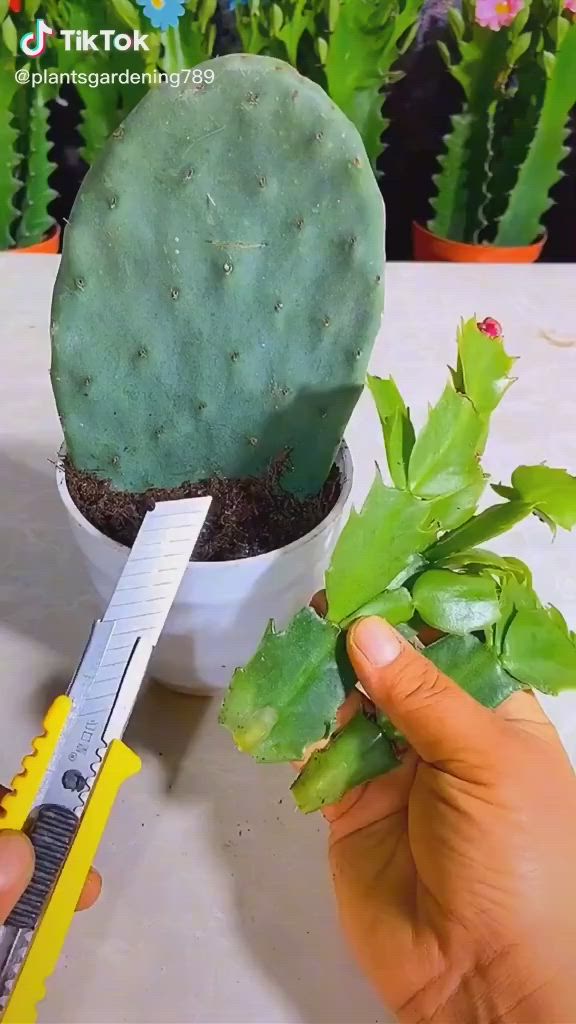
[17, 865]
[455, 873]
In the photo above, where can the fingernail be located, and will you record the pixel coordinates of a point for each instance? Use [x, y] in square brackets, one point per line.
[15, 858]
[377, 641]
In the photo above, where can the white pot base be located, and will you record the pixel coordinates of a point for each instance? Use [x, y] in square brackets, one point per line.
[222, 608]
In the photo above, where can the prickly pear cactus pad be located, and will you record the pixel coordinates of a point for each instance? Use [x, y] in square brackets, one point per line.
[221, 284]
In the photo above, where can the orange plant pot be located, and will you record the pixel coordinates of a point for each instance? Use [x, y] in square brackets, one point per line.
[50, 244]
[429, 247]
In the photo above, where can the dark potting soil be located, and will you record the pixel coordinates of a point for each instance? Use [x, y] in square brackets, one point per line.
[247, 517]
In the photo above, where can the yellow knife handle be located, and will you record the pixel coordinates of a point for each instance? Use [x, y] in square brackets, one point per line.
[119, 764]
[18, 803]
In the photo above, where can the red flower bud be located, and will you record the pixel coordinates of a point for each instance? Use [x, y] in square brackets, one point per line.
[491, 327]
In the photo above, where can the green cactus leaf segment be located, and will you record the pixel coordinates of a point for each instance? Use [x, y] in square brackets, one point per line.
[397, 427]
[443, 459]
[395, 606]
[358, 753]
[287, 696]
[454, 602]
[483, 369]
[364, 562]
[254, 190]
[539, 651]
[452, 510]
[489, 523]
[475, 668]
[551, 491]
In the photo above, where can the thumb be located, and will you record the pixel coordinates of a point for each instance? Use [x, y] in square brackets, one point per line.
[440, 720]
[16, 867]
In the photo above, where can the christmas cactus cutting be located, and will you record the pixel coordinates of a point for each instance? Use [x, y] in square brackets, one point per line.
[415, 555]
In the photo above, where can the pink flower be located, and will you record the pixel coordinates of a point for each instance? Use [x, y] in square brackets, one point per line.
[570, 5]
[491, 327]
[497, 14]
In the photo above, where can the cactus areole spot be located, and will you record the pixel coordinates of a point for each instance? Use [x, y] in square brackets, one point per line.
[228, 220]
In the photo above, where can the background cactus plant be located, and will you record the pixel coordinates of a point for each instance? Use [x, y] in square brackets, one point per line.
[25, 151]
[26, 159]
[221, 284]
[103, 108]
[507, 144]
[350, 47]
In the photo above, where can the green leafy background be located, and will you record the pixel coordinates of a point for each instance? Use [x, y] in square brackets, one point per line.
[26, 166]
[351, 47]
[500, 160]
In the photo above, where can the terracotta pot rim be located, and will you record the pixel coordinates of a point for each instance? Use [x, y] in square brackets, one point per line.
[473, 246]
[48, 246]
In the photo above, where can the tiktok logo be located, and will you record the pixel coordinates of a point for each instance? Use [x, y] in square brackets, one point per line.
[33, 44]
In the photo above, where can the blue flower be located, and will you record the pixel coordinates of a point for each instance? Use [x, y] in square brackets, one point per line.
[162, 13]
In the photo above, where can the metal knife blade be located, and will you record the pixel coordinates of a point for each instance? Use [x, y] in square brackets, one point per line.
[117, 654]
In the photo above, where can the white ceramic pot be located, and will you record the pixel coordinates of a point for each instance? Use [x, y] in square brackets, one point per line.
[222, 608]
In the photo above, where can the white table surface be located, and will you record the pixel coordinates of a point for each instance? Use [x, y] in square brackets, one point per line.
[217, 905]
